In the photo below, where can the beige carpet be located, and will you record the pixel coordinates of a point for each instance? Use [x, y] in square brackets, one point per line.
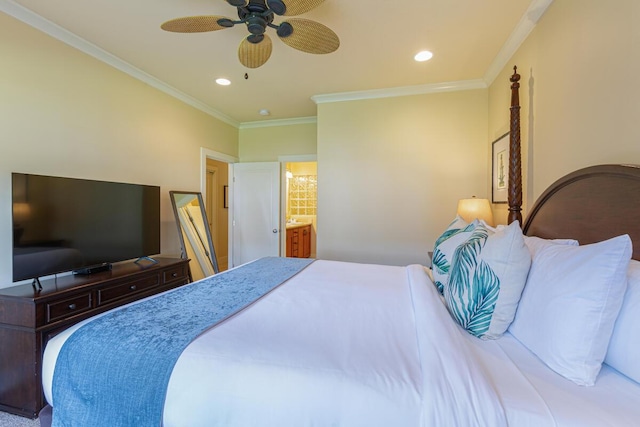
[9, 420]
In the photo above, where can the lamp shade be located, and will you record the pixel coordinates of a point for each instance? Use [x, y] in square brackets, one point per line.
[474, 208]
[21, 211]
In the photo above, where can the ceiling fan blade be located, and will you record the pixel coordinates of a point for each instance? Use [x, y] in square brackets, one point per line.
[298, 7]
[309, 36]
[253, 55]
[195, 24]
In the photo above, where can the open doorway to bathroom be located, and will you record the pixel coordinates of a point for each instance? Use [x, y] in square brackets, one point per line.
[301, 208]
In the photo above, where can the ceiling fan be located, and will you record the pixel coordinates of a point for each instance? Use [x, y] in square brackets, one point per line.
[302, 34]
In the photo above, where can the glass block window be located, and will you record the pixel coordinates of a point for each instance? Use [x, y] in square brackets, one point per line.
[303, 194]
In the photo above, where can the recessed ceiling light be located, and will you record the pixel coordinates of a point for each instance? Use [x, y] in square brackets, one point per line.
[425, 55]
[223, 82]
[265, 112]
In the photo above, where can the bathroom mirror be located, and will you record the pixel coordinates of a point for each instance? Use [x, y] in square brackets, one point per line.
[193, 230]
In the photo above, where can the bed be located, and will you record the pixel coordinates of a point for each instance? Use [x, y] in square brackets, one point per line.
[347, 344]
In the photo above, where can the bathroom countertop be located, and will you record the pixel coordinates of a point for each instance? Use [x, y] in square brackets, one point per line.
[291, 225]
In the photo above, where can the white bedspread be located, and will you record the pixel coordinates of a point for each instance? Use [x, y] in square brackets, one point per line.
[345, 344]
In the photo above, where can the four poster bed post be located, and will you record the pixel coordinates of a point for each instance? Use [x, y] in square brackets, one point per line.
[515, 164]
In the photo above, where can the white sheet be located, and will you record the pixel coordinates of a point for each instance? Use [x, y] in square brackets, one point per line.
[365, 345]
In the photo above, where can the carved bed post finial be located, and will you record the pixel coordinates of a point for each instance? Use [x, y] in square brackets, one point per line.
[515, 165]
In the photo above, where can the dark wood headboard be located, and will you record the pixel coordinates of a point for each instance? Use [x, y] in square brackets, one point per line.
[590, 205]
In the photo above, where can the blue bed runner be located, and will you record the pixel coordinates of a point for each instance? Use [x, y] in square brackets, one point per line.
[114, 370]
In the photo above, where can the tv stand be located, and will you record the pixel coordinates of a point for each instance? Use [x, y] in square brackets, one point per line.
[30, 317]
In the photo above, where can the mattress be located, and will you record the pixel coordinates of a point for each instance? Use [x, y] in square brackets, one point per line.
[356, 344]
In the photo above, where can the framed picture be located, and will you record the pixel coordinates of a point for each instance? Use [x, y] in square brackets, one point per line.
[226, 197]
[500, 169]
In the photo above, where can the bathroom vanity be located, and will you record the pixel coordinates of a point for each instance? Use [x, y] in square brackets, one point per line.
[298, 240]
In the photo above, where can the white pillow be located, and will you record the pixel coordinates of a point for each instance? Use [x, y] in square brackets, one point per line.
[456, 233]
[488, 273]
[570, 303]
[624, 348]
[536, 243]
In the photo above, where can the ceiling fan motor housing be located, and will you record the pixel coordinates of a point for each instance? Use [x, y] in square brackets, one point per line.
[256, 24]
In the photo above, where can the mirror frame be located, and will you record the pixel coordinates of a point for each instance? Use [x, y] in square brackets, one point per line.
[211, 255]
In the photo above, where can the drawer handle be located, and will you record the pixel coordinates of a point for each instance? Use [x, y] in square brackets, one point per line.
[72, 306]
[133, 287]
[174, 275]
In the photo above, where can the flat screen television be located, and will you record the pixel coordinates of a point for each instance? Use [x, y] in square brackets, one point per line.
[67, 224]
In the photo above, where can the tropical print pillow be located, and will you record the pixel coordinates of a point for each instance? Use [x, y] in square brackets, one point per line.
[456, 233]
[487, 274]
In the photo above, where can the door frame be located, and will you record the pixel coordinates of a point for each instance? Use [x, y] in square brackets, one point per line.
[205, 154]
[283, 195]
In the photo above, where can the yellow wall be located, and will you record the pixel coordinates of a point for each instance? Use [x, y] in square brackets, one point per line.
[391, 171]
[579, 92]
[266, 144]
[65, 113]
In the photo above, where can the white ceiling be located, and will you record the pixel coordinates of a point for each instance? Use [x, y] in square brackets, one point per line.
[471, 41]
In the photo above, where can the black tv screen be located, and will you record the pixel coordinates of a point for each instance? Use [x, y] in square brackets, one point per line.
[66, 224]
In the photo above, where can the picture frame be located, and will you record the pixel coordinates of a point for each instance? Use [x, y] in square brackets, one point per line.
[225, 197]
[500, 169]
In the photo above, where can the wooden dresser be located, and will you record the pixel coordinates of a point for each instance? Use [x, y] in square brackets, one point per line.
[29, 318]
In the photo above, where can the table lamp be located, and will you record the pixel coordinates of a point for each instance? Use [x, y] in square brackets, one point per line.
[474, 208]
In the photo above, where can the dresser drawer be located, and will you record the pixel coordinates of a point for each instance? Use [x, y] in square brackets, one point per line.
[175, 273]
[112, 293]
[68, 307]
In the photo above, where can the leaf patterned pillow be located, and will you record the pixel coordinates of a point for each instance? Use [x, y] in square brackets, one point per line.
[487, 274]
[456, 233]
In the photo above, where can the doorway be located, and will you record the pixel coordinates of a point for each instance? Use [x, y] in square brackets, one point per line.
[214, 186]
[301, 206]
[217, 183]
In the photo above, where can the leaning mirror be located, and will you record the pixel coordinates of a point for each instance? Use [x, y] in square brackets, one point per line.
[194, 233]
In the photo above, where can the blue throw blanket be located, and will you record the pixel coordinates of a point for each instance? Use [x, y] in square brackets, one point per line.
[114, 370]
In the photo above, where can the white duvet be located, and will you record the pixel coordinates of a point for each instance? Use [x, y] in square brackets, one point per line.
[345, 344]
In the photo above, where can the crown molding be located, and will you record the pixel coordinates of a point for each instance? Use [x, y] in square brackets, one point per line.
[520, 33]
[25, 15]
[400, 91]
[278, 122]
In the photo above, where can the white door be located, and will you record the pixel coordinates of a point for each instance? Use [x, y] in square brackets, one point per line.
[256, 211]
